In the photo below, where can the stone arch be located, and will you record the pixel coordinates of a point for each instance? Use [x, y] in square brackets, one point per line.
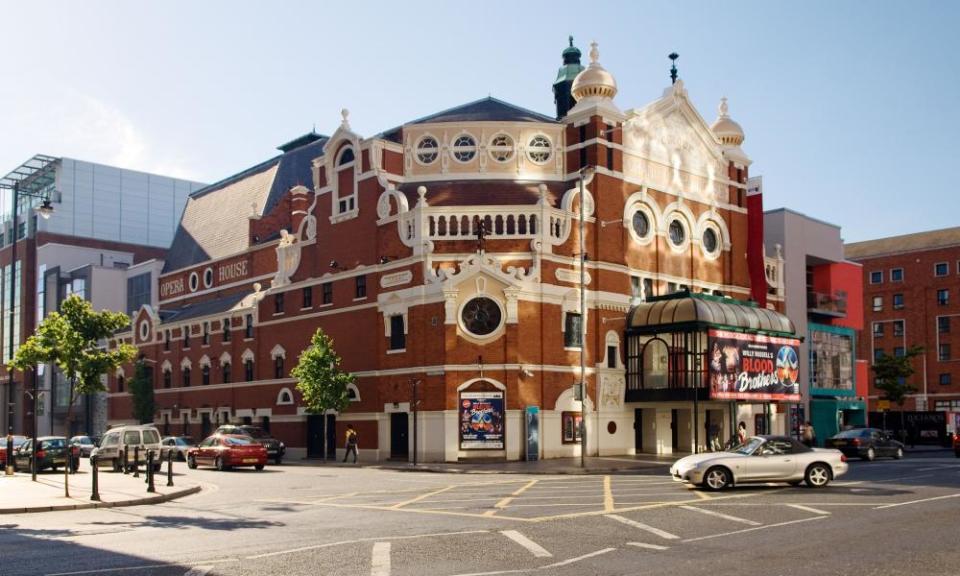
[284, 397]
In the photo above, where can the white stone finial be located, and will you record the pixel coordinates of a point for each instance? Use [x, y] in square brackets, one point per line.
[594, 53]
[421, 192]
[345, 114]
[723, 108]
[257, 287]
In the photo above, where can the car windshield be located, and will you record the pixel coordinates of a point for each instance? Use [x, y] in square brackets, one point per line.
[748, 447]
[81, 440]
[151, 437]
[17, 442]
[855, 433]
[232, 441]
[183, 441]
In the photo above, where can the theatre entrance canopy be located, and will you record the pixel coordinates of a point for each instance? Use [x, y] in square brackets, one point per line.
[701, 347]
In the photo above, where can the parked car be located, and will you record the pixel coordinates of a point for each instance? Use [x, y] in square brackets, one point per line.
[108, 452]
[51, 453]
[179, 445]
[17, 442]
[762, 459]
[275, 448]
[85, 443]
[224, 451]
[866, 443]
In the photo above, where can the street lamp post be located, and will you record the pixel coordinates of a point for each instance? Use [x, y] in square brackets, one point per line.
[44, 210]
[586, 176]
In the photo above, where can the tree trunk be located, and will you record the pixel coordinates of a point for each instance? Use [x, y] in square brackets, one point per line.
[66, 468]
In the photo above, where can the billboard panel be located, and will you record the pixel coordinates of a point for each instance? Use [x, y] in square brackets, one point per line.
[753, 367]
[481, 420]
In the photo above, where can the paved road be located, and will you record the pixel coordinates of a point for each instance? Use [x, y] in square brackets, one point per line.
[885, 517]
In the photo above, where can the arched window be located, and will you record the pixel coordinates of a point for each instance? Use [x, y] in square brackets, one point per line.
[249, 327]
[225, 367]
[346, 156]
[278, 367]
[226, 329]
[186, 377]
[205, 374]
[120, 382]
[655, 362]
[346, 183]
[248, 369]
[167, 378]
[206, 333]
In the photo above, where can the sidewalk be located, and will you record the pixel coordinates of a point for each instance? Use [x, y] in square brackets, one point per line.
[19, 494]
[648, 464]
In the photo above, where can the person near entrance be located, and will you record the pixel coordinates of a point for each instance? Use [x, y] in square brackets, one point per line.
[741, 432]
[809, 434]
[351, 443]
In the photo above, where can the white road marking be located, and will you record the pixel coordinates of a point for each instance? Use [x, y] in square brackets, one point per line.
[661, 533]
[358, 540]
[534, 548]
[648, 546]
[917, 501]
[198, 571]
[547, 567]
[380, 563]
[98, 571]
[722, 515]
[755, 528]
[808, 509]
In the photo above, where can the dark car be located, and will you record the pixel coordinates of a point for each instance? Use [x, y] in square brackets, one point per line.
[51, 453]
[866, 443]
[224, 451]
[275, 448]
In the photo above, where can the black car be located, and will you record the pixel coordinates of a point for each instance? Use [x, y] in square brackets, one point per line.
[275, 448]
[52, 453]
[866, 443]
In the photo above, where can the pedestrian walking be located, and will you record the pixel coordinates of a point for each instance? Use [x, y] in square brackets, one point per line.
[809, 435]
[351, 443]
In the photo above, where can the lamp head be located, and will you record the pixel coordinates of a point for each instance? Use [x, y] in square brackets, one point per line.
[45, 209]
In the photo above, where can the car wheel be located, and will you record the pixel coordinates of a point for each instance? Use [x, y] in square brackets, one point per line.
[191, 462]
[219, 464]
[870, 455]
[259, 467]
[898, 454]
[817, 476]
[716, 478]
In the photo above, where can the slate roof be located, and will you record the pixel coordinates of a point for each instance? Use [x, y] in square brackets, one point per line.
[205, 308]
[487, 109]
[943, 238]
[200, 237]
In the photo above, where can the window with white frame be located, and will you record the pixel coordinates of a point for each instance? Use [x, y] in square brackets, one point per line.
[346, 187]
[877, 303]
[941, 269]
[427, 150]
[677, 232]
[876, 277]
[896, 274]
[501, 148]
[464, 148]
[539, 149]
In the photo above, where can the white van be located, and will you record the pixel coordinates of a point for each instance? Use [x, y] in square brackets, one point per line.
[109, 451]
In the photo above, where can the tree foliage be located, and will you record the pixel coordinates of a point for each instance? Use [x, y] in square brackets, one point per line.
[892, 374]
[141, 394]
[73, 339]
[319, 378]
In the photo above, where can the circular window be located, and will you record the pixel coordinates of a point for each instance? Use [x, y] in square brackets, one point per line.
[464, 148]
[539, 149]
[427, 150]
[208, 278]
[194, 281]
[710, 241]
[501, 148]
[677, 233]
[641, 224]
[481, 316]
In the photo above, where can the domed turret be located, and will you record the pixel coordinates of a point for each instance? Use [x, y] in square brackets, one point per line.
[562, 96]
[726, 130]
[595, 81]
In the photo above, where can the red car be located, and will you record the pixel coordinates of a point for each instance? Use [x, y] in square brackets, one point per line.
[17, 441]
[224, 451]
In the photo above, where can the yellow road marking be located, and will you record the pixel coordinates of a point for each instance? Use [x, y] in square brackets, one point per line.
[422, 497]
[503, 503]
[336, 497]
[607, 495]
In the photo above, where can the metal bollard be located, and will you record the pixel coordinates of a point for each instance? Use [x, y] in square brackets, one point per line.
[170, 468]
[124, 462]
[136, 461]
[96, 478]
[150, 486]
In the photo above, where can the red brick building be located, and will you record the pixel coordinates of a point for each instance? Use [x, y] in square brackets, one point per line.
[375, 239]
[911, 287]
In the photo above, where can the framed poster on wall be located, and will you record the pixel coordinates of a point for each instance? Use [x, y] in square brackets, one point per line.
[481, 420]
[753, 367]
[572, 426]
[533, 432]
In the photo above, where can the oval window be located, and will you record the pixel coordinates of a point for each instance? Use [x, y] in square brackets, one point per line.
[710, 242]
[427, 150]
[641, 224]
[677, 233]
[481, 316]
[208, 278]
[194, 281]
[464, 148]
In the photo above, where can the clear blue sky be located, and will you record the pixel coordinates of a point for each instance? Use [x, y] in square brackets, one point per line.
[851, 109]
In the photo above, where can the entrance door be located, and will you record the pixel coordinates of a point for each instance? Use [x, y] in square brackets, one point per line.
[314, 436]
[399, 448]
[638, 430]
[332, 436]
[205, 424]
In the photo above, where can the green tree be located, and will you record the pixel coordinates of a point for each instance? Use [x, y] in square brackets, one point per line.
[73, 339]
[320, 380]
[891, 374]
[141, 394]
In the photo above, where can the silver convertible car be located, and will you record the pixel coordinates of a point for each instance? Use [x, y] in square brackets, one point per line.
[762, 459]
